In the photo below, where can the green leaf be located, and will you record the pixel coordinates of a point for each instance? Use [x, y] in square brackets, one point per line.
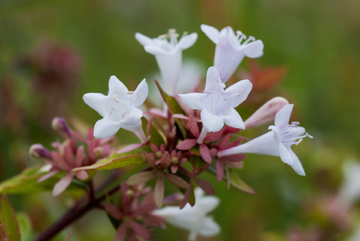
[155, 135]
[236, 182]
[25, 226]
[26, 182]
[174, 108]
[9, 220]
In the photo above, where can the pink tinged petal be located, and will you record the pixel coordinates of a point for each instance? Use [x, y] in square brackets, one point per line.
[165, 160]
[205, 153]
[113, 211]
[209, 227]
[234, 120]
[285, 154]
[130, 147]
[80, 155]
[154, 148]
[211, 123]
[224, 142]
[193, 126]
[234, 158]
[99, 102]
[174, 168]
[266, 113]
[205, 186]
[213, 136]
[82, 175]
[121, 232]
[237, 165]
[47, 176]
[69, 157]
[62, 184]
[212, 33]
[238, 92]
[142, 39]
[219, 170]
[213, 81]
[105, 128]
[235, 142]
[159, 192]
[187, 41]
[186, 197]
[298, 168]
[116, 87]
[140, 94]
[227, 59]
[139, 229]
[254, 49]
[186, 144]
[283, 116]
[59, 161]
[141, 177]
[193, 100]
[177, 181]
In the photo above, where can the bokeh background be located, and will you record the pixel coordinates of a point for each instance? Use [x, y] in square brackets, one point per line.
[52, 52]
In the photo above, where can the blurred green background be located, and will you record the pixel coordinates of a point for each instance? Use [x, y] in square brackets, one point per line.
[317, 42]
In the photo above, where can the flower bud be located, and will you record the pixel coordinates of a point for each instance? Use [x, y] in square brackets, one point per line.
[59, 124]
[38, 151]
[266, 113]
[98, 152]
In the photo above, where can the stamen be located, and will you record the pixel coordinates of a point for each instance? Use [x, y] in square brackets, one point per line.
[223, 85]
[130, 92]
[251, 38]
[163, 36]
[115, 98]
[308, 135]
[298, 142]
[295, 123]
[208, 92]
[123, 114]
[112, 109]
[240, 92]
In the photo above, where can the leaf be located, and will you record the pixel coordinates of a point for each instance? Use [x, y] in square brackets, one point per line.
[9, 220]
[159, 192]
[174, 108]
[25, 226]
[177, 181]
[141, 177]
[186, 144]
[116, 160]
[236, 182]
[26, 182]
[155, 136]
[205, 186]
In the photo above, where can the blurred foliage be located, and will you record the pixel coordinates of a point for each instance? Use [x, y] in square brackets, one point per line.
[317, 41]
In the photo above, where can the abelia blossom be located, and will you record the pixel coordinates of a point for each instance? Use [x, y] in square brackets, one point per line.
[168, 54]
[276, 142]
[349, 192]
[230, 49]
[216, 104]
[194, 219]
[118, 109]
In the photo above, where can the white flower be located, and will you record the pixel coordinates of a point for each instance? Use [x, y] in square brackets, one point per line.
[230, 50]
[276, 142]
[168, 54]
[194, 218]
[118, 109]
[216, 104]
[350, 190]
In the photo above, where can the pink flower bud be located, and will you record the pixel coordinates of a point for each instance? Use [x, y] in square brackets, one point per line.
[38, 151]
[59, 124]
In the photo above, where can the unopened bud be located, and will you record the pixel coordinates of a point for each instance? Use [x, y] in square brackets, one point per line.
[129, 193]
[175, 160]
[59, 124]
[266, 113]
[158, 154]
[98, 152]
[38, 151]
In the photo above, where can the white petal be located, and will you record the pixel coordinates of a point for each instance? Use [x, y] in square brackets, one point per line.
[207, 203]
[187, 41]
[192, 235]
[116, 87]
[193, 100]
[226, 59]
[104, 128]
[208, 227]
[285, 154]
[211, 123]
[170, 68]
[283, 116]
[212, 33]
[155, 50]
[254, 49]
[190, 77]
[140, 94]
[297, 165]
[133, 120]
[239, 92]
[143, 40]
[233, 119]
[213, 81]
[99, 102]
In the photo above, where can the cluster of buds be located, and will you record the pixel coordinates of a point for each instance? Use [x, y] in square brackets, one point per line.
[70, 154]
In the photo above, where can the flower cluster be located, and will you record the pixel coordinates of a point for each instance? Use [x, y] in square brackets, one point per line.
[196, 132]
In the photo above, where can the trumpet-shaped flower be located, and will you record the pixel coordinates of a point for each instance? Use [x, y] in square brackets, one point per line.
[168, 54]
[349, 192]
[118, 109]
[231, 49]
[216, 104]
[194, 218]
[276, 142]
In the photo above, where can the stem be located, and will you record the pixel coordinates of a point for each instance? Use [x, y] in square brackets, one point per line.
[72, 215]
